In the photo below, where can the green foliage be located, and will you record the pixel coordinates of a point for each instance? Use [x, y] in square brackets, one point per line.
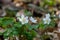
[41, 25]
[30, 35]
[6, 22]
[49, 2]
[33, 26]
[13, 28]
[52, 24]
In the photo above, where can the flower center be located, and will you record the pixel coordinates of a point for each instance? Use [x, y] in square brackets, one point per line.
[23, 19]
[47, 21]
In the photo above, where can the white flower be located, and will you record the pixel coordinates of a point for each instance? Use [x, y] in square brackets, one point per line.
[47, 15]
[46, 20]
[32, 20]
[23, 19]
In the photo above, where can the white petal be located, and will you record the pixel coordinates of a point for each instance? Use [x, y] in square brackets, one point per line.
[47, 15]
[22, 22]
[26, 21]
[32, 20]
[35, 21]
[26, 17]
[49, 20]
[46, 20]
[20, 19]
[22, 16]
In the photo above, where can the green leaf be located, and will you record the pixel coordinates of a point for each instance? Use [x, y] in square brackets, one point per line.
[33, 33]
[50, 2]
[41, 25]
[7, 21]
[28, 36]
[1, 21]
[15, 33]
[35, 26]
[52, 24]
[31, 27]
[17, 25]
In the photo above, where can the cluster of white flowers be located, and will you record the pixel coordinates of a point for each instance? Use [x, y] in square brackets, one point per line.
[47, 19]
[24, 19]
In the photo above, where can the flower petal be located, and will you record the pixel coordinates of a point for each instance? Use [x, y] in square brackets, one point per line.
[32, 20]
